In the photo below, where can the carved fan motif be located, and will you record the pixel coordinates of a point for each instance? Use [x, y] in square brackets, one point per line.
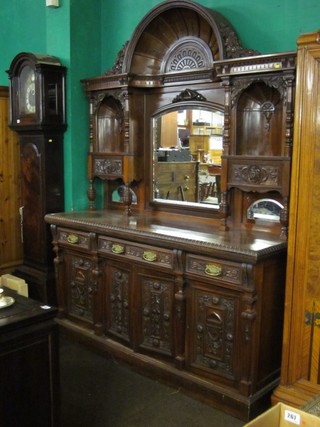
[187, 55]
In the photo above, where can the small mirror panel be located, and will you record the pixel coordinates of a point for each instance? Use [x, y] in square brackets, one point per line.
[265, 210]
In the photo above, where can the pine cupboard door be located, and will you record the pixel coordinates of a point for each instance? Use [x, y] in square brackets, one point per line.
[10, 233]
[300, 369]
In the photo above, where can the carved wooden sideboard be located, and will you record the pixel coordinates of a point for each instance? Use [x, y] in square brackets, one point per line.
[189, 290]
[197, 307]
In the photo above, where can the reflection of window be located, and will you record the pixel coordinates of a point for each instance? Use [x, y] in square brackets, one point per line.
[265, 209]
[119, 193]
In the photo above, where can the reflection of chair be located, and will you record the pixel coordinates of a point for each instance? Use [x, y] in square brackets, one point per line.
[207, 189]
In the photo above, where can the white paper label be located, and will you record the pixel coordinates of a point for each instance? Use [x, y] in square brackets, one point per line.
[292, 417]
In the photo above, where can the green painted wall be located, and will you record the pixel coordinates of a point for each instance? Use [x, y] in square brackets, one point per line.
[30, 26]
[21, 23]
[87, 35]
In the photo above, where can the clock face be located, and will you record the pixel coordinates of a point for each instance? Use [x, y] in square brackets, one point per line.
[27, 91]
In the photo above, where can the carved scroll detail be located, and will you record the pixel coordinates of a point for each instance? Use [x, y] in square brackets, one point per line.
[278, 83]
[255, 174]
[189, 95]
[232, 43]
[108, 167]
[117, 67]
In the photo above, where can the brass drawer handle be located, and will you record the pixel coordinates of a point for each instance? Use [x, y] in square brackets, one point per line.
[213, 270]
[117, 249]
[149, 256]
[73, 239]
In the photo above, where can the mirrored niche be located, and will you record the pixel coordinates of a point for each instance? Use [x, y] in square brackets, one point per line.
[187, 148]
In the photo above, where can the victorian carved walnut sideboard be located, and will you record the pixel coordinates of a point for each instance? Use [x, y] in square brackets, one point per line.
[185, 288]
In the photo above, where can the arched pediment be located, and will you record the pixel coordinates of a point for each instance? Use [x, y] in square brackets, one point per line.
[178, 35]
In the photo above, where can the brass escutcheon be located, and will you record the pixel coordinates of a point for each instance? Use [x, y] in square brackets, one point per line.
[213, 270]
[73, 239]
[117, 249]
[149, 256]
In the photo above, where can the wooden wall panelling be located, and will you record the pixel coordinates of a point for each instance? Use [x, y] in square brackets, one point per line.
[300, 361]
[10, 239]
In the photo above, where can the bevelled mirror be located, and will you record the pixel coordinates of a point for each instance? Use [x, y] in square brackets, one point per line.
[187, 148]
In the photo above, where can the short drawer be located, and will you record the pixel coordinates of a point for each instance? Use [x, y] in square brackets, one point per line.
[73, 238]
[136, 252]
[219, 270]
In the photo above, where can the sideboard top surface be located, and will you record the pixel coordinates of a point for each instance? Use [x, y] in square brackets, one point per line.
[173, 231]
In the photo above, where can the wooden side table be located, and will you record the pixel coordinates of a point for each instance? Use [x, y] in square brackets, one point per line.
[29, 364]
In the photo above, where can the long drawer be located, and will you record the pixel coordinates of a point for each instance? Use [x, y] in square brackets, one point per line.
[72, 238]
[217, 269]
[136, 252]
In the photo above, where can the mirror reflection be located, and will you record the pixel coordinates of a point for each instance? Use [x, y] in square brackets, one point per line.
[187, 156]
[265, 210]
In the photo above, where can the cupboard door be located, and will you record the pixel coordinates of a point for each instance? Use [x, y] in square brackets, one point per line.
[154, 308]
[118, 300]
[81, 284]
[212, 338]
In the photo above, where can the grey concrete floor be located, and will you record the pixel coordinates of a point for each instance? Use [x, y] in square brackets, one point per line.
[99, 392]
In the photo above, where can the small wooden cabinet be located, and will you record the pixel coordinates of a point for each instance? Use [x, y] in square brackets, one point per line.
[259, 104]
[199, 308]
[29, 364]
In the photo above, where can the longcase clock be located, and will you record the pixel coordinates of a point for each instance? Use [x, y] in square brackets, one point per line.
[37, 114]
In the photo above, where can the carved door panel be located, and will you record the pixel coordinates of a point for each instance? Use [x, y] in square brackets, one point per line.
[118, 301]
[81, 285]
[154, 301]
[212, 338]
